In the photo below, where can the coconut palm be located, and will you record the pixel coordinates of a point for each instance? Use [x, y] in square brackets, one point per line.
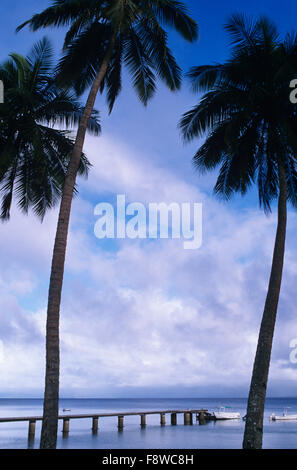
[33, 153]
[251, 135]
[102, 37]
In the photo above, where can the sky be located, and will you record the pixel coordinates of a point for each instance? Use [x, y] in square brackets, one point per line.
[147, 318]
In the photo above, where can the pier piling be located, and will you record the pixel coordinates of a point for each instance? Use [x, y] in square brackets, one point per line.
[120, 422]
[65, 426]
[188, 419]
[31, 430]
[162, 419]
[143, 421]
[173, 419]
[201, 418]
[95, 424]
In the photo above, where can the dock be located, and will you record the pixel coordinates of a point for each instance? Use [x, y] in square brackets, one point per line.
[202, 415]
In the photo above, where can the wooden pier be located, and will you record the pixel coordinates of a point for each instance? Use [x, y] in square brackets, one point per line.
[201, 416]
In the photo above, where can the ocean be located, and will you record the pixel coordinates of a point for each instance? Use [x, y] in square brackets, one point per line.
[212, 435]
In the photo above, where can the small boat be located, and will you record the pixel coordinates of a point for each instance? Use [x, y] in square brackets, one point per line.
[66, 409]
[222, 414]
[283, 417]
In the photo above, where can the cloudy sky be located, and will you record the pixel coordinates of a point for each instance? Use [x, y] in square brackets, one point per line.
[142, 317]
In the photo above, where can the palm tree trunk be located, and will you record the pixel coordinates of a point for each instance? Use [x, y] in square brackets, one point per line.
[51, 394]
[253, 433]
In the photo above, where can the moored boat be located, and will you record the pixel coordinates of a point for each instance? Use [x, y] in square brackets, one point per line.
[222, 414]
[283, 417]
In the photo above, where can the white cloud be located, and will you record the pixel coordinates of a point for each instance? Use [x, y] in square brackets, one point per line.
[146, 314]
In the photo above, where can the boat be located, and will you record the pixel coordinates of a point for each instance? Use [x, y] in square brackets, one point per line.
[283, 417]
[222, 414]
[66, 409]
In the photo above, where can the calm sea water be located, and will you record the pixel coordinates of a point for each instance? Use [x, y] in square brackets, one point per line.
[212, 435]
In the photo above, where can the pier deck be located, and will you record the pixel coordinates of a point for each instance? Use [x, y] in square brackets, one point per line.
[201, 415]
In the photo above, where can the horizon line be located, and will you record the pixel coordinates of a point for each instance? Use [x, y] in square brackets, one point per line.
[144, 398]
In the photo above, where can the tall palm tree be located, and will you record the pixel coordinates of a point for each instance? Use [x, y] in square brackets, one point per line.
[103, 36]
[33, 152]
[251, 135]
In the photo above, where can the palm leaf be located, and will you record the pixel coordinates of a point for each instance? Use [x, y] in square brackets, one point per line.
[61, 13]
[140, 67]
[176, 15]
[154, 41]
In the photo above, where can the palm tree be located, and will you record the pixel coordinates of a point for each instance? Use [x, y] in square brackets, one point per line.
[33, 153]
[250, 128]
[103, 36]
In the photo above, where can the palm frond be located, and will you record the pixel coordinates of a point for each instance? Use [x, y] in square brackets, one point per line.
[82, 58]
[140, 67]
[154, 40]
[113, 78]
[34, 155]
[215, 107]
[176, 15]
[61, 13]
[245, 115]
[243, 32]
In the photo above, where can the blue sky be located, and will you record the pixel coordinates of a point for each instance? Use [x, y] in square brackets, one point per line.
[142, 318]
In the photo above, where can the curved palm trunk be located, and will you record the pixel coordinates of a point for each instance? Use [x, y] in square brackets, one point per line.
[51, 394]
[255, 410]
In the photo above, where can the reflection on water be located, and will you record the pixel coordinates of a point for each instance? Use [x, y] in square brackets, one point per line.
[228, 423]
